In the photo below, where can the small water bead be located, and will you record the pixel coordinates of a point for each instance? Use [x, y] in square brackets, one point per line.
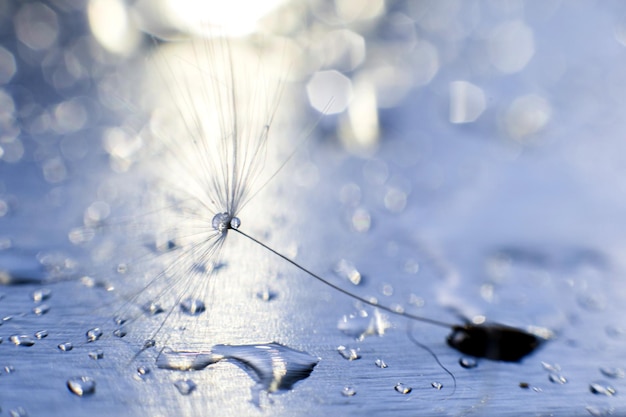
[9, 369]
[348, 391]
[119, 333]
[81, 385]
[185, 386]
[93, 334]
[402, 388]
[22, 340]
[119, 320]
[41, 294]
[380, 363]
[347, 270]
[554, 368]
[266, 295]
[235, 223]
[436, 385]
[192, 306]
[600, 412]
[42, 309]
[615, 373]
[1, 339]
[149, 343]
[468, 363]
[96, 354]
[66, 346]
[349, 353]
[18, 412]
[41, 334]
[142, 372]
[152, 308]
[601, 388]
[557, 379]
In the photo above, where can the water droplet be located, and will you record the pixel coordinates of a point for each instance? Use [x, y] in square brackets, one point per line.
[119, 333]
[96, 354]
[266, 295]
[402, 389]
[600, 412]
[554, 368]
[468, 363]
[362, 324]
[349, 353]
[9, 369]
[185, 386]
[615, 373]
[66, 346]
[142, 373]
[185, 361]
[119, 320]
[557, 379]
[41, 294]
[41, 334]
[235, 223]
[380, 363]
[152, 308]
[537, 389]
[348, 391]
[1, 339]
[149, 343]
[93, 334]
[22, 340]
[192, 306]
[42, 309]
[601, 388]
[436, 385]
[122, 269]
[346, 270]
[224, 221]
[18, 412]
[81, 385]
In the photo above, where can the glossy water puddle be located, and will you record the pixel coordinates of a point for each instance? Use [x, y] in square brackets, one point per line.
[274, 367]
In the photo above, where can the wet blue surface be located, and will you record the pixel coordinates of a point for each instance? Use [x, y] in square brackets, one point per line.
[448, 220]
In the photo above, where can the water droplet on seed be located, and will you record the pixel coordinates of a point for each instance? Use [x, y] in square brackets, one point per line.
[349, 353]
[185, 386]
[41, 334]
[192, 306]
[402, 389]
[96, 354]
[66, 346]
[348, 391]
[22, 340]
[81, 385]
[93, 334]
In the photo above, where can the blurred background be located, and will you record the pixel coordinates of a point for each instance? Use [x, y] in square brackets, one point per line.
[457, 159]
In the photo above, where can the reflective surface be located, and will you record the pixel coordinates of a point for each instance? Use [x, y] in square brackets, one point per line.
[468, 168]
